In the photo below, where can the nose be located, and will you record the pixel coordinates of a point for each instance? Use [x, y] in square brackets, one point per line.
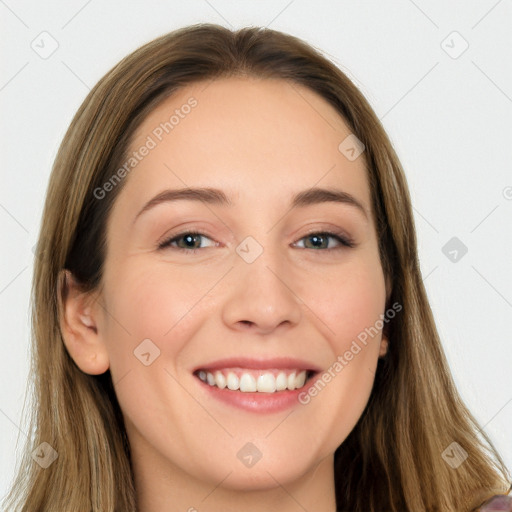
[261, 296]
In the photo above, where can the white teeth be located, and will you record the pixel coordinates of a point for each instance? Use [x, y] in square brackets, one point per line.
[300, 380]
[267, 383]
[291, 381]
[220, 380]
[248, 383]
[281, 381]
[232, 381]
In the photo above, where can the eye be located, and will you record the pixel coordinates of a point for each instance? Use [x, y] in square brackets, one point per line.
[190, 241]
[320, 239]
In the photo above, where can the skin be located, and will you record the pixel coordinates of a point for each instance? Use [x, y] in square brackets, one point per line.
[260, 141]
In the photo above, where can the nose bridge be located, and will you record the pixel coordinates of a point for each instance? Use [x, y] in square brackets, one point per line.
[260, 290]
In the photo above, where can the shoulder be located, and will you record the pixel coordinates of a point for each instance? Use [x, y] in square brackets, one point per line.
[499, 502]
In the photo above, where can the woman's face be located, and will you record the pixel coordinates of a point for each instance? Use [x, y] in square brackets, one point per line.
[261, 285]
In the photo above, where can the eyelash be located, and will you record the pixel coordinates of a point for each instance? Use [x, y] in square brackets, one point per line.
[344, 241]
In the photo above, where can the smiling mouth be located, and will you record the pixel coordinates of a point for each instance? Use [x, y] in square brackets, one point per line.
[251, 380]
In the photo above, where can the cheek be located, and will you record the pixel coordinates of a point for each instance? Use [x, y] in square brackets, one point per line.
[148, 303]
[350, 306]
[151, 298]
[152, 315]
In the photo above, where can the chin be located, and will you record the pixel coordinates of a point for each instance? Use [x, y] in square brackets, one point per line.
[267, 473]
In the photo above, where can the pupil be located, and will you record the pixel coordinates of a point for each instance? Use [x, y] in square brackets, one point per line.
[189, 240]
[317, 240]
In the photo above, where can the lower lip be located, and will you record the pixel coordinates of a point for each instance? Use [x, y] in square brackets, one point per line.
[258, 401]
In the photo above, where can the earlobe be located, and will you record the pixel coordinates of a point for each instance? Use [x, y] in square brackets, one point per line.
[383, 346]
[78, 320]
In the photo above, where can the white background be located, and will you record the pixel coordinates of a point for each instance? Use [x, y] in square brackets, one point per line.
[450, 120]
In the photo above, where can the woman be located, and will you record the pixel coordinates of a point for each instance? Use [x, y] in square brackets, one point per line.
[290, 360]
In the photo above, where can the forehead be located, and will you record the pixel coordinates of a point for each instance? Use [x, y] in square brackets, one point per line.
[253, 138]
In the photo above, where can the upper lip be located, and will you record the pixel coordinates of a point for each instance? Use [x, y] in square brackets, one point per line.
[259, 364]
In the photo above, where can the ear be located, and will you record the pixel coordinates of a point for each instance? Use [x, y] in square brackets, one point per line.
[79, 319]
[383, 345]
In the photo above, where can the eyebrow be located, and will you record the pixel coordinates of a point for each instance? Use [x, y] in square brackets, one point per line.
[216, 196]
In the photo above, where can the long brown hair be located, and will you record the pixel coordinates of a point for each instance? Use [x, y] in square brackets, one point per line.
[392, 460]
